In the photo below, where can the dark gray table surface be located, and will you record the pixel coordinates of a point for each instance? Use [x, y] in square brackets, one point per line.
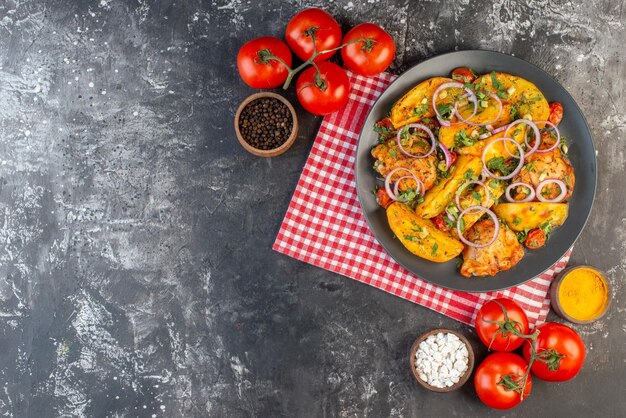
[137, 276]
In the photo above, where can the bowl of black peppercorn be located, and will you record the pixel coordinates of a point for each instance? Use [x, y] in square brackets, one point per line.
[266, 124]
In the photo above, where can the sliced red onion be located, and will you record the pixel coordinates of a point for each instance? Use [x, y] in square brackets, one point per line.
[474, 209]
[464, 186]
[533, 125]
[557, 199]
[451, 84]
[528, 198]
[446, 154]
[393, 194]
[433, 141]
[451, 215]
[517, 169]
[500, 129]
[497, 99]
[558, 138]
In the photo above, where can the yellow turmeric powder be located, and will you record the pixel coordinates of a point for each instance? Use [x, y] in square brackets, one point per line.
[583, 294]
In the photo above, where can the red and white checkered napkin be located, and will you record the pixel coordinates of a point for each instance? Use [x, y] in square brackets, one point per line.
[324, 225]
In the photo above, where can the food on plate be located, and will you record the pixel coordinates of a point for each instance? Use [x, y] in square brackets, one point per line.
[530, 215]
[437, 198]
[257, 69]
[369, 49]
[323, 89]
[265, 123]
[499, 322]
[502, 380]
[420, 236]
[313, 30]
[441, 360]
[482, 157]
[502, 254]
[559, 352]
[582, 294]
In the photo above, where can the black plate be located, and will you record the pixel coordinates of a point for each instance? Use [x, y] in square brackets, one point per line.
[581, 153]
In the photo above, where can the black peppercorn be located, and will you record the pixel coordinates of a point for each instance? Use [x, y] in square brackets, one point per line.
[265, 123]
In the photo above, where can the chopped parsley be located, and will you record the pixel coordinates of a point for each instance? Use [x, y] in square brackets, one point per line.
[521, 235]
[498, 163]
[435, 247]
[546, 227]
[459, 262]
[420, 109]
[383, 132]
[412, 238]
[469, 174]
[445, 110]
[393, 153]
[493, 183]
[517, 220]
[462, 140]
[500, 92]
[477, 196]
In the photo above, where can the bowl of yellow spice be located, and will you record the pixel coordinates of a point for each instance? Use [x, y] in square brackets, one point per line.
[580, 294]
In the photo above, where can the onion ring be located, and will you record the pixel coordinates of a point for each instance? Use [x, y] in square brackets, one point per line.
[559, 183]
[558, 138]
[433, 141]
[450, 84]
[488, 212]
[390, 193]
[533, 125]
[528, 198]
[517, 169]
[497, 99]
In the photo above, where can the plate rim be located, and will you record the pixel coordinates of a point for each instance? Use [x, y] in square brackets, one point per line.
[536, 68]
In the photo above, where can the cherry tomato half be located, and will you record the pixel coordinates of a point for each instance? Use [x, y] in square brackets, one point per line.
[496, 376]
[259, 71]
[463, 75]
[324, 92]
[536, 238]
[308, 23]
[370, 56]
[561, 351]
[497, 337]
[556, 113]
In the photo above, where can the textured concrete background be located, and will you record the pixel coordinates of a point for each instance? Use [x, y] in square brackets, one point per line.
[136, 275]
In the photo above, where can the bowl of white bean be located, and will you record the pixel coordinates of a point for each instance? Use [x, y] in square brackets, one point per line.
[441, 360]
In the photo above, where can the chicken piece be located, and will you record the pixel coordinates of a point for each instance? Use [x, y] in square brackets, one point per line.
[541, 166]
[388, 157]
[503, 254]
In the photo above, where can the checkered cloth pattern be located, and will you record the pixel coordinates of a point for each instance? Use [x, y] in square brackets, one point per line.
[324, 225]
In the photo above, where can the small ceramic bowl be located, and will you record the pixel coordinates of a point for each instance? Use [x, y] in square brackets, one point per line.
[270, 152]
[556, 303]
[462, 380]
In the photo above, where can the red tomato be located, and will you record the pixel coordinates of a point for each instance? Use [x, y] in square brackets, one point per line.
[499, 337]
[561, 352]
[370, 56]
[314, 22]
[259, 71]
[323, 93]
[382, 198]
[440, 223]
[498, 376]
[556, 113]
[463, 75]
[536, 238]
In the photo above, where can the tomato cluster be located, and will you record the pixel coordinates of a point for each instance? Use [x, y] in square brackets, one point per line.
[554, 352]
[315, 36]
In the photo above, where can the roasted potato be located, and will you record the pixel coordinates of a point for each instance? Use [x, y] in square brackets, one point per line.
[497, 149]
[420, 236]
[524, 100]
[437, 198]
[417, 103]
[529, 215]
